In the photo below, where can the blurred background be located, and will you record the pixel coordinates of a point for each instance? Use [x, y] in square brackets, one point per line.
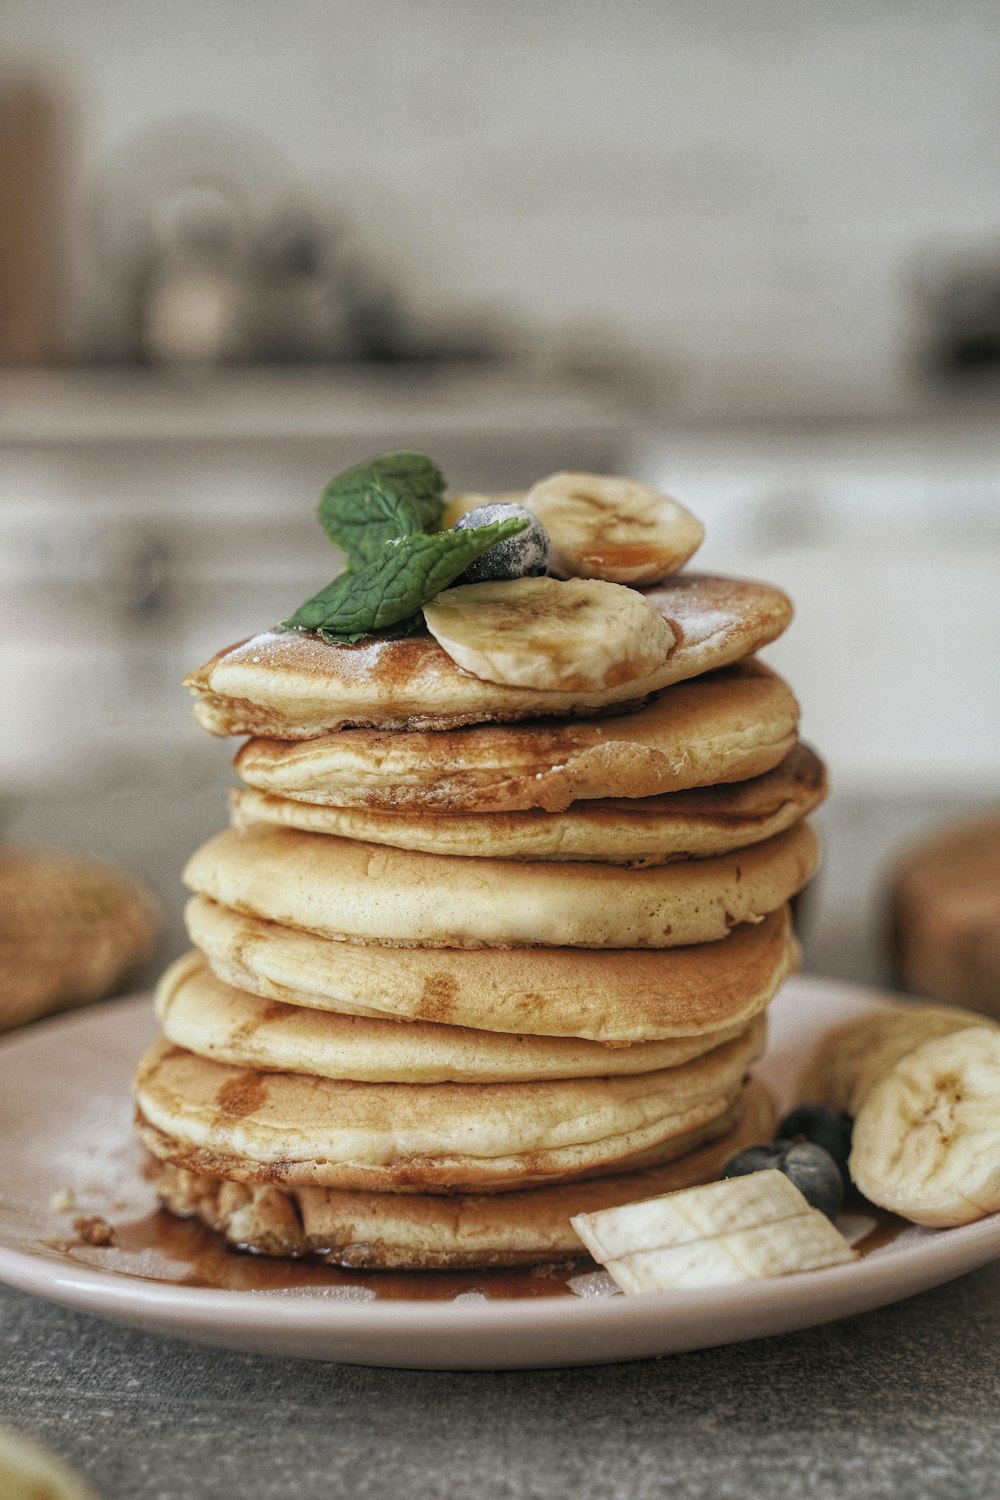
[748, 252]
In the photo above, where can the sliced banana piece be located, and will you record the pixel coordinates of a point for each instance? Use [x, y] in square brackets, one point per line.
[927, 1139]
[577, 636]
[29, 1471]
[615, 529]
[853, 1058]
[739, 1229]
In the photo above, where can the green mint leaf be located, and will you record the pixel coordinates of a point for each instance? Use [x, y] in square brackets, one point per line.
[395, 632]
[405, 574]
[395, 494]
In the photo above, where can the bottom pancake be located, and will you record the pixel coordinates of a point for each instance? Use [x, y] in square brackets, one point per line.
[389, 1231]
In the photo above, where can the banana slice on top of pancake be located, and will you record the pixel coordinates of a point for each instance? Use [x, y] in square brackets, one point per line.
[616, 529]
[602, 526]
[583, 634]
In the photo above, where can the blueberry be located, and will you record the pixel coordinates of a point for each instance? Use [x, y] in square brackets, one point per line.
[523, 556]
[823, 1126]
[813, 1171]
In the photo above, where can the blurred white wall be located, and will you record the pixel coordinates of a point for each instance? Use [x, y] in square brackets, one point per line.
[742, 192]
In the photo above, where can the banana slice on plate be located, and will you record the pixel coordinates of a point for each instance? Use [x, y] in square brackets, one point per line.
[739, 1229]
[852, 1059]
[927, 1139]
[576, 636]
[615, 529]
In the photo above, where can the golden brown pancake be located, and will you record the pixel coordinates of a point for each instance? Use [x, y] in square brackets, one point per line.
[944, 899]
[423, 1231]
[638, 831]
[369, 893]
[292, 686]
[726, 726]
[292, 1128]
[615, 995]
[201, 1013]
[71, 931]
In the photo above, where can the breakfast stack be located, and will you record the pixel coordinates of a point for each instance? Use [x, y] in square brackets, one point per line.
[491, 938]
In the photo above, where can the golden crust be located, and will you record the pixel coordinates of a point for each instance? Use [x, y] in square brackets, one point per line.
[618, 996]
[201, 1013]
[440, 1138]
[71, 931]
[642, 831]
[292, 686]
[426, 1232]
[724, 727]
[369, 893]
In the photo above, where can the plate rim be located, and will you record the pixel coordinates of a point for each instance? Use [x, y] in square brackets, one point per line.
[172, 1307]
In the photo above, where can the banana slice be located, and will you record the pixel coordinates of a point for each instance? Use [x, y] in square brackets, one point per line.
[852, 1059]
[538, 633]
[614, 529]
[739, 1229]
[927, 1139]
[29, 1471]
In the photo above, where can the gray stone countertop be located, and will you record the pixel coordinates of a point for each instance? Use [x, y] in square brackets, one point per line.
[898, 1403]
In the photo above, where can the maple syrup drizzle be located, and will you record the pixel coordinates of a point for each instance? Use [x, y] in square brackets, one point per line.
[184, 1252]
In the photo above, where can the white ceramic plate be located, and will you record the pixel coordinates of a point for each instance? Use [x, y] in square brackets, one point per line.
[65, 1122]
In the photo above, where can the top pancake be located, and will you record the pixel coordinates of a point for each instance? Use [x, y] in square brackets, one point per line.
[292, 686]
[726, 726]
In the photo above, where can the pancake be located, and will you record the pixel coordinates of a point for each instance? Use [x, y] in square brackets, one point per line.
[201, 1013]
[368, 893]
[71, 931]
[293, 686]
[639, 831]
[944, 902]
[615, 996]
[727, 726]
[419, 1231]
[290, 1128]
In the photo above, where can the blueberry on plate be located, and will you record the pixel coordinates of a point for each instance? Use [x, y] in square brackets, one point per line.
[813, 1171]
[523, 556]
[823, 1126]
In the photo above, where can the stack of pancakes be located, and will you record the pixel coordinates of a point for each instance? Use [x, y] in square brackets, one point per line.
[462, 971]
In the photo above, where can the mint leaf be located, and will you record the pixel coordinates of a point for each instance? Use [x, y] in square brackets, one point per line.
[395, 494]
[404, 575]
[395, 632]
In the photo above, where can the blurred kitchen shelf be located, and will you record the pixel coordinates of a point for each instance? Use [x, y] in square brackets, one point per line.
[374, 403]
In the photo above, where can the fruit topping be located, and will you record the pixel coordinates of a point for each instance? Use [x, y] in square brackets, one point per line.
[823, 1126]
[578, 636]
[738, 1229]
[525, 555]
[615, 529]
[811, 1169]
[927, 1138]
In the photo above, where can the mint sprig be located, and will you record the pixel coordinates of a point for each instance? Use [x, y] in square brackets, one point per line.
[403, 575]
[393, 495]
